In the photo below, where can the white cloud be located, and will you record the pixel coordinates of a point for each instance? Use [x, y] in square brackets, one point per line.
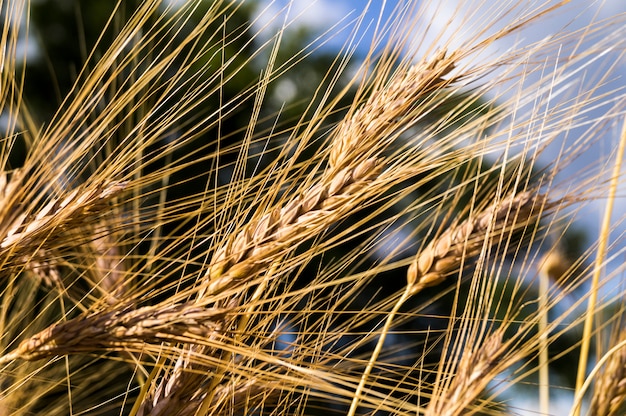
[317, 15]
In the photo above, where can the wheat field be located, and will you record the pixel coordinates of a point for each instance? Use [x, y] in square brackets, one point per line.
[174, 242]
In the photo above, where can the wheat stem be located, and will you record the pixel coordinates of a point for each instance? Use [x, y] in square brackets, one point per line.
[544, 358]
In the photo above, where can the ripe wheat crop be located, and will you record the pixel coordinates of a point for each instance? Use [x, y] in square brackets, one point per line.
[173, 242]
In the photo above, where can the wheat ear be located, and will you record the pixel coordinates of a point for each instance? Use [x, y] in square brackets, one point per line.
[443, 256]
[609, 393]
[473, 374]
[108, 280]
[25, 231]
[253, 250]
[376, 122]
[45, 269]
[237, 395]
[257, 244]
[122, 328]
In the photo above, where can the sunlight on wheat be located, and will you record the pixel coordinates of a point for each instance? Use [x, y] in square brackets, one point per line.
[395, 242]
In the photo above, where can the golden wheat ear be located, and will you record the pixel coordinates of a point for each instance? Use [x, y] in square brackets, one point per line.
[39, 238]
[128, 328]
[475, 370]
[445, 254]
[609, 391]
[28, 230]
